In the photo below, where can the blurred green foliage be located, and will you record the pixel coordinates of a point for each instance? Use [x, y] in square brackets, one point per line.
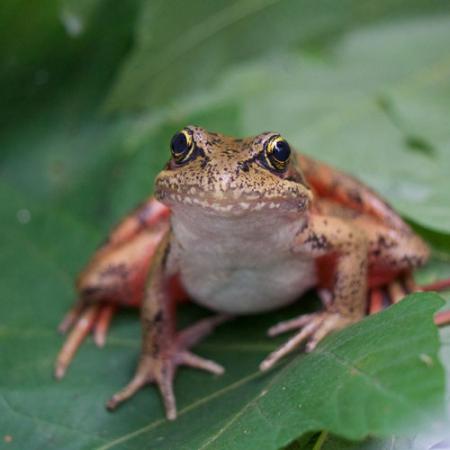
[92, 90]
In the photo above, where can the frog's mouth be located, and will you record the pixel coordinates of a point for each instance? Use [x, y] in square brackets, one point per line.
[219, 203]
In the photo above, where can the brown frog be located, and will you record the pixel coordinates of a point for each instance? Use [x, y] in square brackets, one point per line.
[242, 226]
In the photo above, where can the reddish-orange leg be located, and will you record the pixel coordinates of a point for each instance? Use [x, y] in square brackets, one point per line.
[103, 322]
[396, 290]
[115, 276]
[81, 329]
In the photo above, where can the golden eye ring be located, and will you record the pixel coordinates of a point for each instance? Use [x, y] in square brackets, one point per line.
[277, 153]
[182, 146]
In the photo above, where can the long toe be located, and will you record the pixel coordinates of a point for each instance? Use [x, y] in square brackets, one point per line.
[289, 346]
[314, 328]
[139, 380]
[197, 362]
[73, 341]
[289, 325]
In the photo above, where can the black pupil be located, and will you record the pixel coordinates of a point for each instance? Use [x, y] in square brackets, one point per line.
[179, 144]
[281, 151]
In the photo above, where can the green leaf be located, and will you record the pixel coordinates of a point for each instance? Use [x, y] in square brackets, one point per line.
[200, 40]
[356, 382]
[362, 85]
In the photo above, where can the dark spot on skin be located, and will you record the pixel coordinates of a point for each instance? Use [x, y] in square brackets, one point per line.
[383, 243]
[155, 321]
[245, 165]
[90, 292]
[355, 196]
[158, 317]
[317, 241]
[165, 256]
[204, 162]
[304, 226]
[412, 260]
[118, 271]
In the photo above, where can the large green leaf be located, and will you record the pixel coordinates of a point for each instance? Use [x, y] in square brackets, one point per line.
[369, 98]
[342, 387]
[181, 48]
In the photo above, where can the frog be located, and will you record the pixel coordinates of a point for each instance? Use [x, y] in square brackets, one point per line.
[241, 226]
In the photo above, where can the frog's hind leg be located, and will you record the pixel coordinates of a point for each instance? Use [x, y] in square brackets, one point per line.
[440, 285]
[115, 276]
[95, 317]
[408, 284]
[103, 323]
[115, 279]
[382, 297]
[71, 316]
[443, 317]
[377, 301]
[80, 330]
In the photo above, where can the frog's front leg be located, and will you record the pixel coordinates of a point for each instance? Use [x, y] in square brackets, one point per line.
[319, 237]
[163, 348]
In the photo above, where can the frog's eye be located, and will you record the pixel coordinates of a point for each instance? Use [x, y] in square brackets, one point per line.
[277, 153]
[182, 146]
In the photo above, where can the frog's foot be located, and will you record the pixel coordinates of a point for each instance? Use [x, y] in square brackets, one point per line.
[314, 327]
[161, 369]
[81, 320]
[397, 289]
[382, 297]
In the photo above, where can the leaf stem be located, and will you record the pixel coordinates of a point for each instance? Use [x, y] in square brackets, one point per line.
[320, 440]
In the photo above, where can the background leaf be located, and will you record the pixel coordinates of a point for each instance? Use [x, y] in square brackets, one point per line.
[364, 86]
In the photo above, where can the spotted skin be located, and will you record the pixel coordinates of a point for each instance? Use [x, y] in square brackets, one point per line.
[247, 234]
[224, 165]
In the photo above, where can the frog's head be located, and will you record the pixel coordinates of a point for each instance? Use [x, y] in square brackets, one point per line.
[232, 176]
